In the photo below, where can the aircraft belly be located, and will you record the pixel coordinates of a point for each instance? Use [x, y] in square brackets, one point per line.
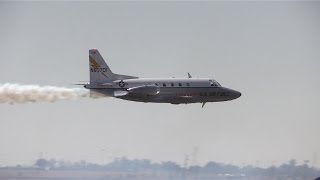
[173, 95]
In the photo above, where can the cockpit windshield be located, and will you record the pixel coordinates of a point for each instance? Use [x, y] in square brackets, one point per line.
[214, 83]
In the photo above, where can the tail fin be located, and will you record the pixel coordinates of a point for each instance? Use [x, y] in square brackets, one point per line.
[100, 71]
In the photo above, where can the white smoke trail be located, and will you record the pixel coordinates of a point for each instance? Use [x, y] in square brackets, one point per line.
[16, 93]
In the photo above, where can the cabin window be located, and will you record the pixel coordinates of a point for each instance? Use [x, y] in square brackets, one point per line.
[200, 93]
[164, 85]
[188, 84]
[205, 94]
[172, 84]
[180, 84]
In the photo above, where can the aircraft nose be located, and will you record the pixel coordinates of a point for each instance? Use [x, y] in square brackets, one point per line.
[237, 94]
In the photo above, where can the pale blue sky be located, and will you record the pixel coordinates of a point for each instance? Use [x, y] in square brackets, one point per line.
[269, 51]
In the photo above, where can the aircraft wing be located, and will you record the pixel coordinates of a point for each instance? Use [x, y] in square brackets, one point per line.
[146, 90]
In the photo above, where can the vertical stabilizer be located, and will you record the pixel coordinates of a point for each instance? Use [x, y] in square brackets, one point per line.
[100, 71]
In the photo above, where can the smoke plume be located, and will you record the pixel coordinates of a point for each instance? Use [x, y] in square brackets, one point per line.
[15, 93]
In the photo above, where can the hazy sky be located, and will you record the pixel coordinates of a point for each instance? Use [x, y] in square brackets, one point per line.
[269, 51]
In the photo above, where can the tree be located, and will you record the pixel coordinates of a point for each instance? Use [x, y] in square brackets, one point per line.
[42, 163]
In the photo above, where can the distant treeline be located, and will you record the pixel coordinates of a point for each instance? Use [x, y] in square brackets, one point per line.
[289, 170]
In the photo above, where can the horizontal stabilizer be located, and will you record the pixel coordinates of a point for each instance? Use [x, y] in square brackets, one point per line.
[79, 84]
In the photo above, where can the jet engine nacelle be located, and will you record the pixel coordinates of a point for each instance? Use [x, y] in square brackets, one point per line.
[144, 90]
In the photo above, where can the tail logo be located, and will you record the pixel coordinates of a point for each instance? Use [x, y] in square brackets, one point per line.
[93, 63]
[95, 67]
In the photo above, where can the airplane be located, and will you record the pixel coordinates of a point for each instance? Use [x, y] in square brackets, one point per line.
[104, 82]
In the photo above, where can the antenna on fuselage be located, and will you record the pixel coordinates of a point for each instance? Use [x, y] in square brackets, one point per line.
[189, 75]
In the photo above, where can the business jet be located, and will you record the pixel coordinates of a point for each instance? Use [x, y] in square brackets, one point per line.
[104, 82]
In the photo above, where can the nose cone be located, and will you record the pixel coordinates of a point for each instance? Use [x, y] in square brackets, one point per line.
[236, 94]
[232, 94]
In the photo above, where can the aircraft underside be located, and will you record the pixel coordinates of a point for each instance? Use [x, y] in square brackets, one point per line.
[173, 95]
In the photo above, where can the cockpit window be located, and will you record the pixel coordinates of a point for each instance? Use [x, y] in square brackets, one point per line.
[214, 83]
